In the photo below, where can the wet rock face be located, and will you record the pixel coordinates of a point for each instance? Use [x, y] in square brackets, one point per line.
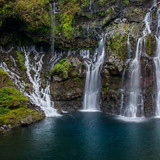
[148, 81]
[115, 66]
[114, 86]
[131, 14]
[111, 84]
[15, 109]
[67, 91]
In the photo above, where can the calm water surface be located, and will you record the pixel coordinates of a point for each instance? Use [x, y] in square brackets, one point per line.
[83, 136]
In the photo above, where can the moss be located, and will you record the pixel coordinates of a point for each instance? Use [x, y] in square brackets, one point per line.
[67, 17]
[34, 12]
[106, 87]
[21, 60]
[2, 72]
[150, 46]
[61, 68]
[23, 21]
[10, 97]
[126, 2]
[4, 110]
[101, 2]
[118, 44]
[4, 79]
[13, 117]
[85, 3]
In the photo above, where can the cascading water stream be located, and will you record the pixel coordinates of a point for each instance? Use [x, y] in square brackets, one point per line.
[93, 85]
[90, 6]
[52, 13]
[157, 66]
[39, 96]
[129, 55]
[135, 92]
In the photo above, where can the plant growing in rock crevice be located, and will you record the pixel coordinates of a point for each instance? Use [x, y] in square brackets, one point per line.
[61, 68]
[21, 60]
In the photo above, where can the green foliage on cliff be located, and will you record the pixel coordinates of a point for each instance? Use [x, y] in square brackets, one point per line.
[10, 97]
[4, 110]
[101, 2]
[13, 117]
[4, 79]
[67, 17]
[126, 2]
[61, 68]
[21, 60]
[24, 22]
[2, 72]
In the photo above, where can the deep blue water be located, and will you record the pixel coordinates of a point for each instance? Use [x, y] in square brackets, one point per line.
[83, 136]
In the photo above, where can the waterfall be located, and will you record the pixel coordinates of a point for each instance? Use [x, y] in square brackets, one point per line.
[135, 90]
[129, 49]
[39, 95]
[93, 85]
[90, 6]
[157, 66]
[52, 13]
[129, 55]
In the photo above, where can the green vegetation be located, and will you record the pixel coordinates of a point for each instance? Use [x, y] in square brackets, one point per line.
[126, 2]
[2, 72]
[4, 111]
[67, 17]
[4, 79]
[101, 2]
[106, 87]
[27, 22]
[61, 68]
[21, 60]
[10, 97]
[13, 117]
[13, 105]
[150, 46]
[118, 44]
[85, 3]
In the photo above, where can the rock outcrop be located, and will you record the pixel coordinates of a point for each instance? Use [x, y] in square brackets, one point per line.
[67, 83]
[15, 108]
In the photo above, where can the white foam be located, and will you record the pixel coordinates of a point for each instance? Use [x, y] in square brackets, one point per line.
[132, 119]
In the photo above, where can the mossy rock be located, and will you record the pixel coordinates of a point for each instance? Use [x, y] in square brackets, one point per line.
[13, 117]
[61, 69]
[21, 60]
[4, 79]
[10, 97]
[150, 45]
[25, 22]
[132, 12]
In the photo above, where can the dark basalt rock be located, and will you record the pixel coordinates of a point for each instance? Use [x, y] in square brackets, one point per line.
[67, 92]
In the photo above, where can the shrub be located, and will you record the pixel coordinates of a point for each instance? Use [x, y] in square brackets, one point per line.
[61, 68]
